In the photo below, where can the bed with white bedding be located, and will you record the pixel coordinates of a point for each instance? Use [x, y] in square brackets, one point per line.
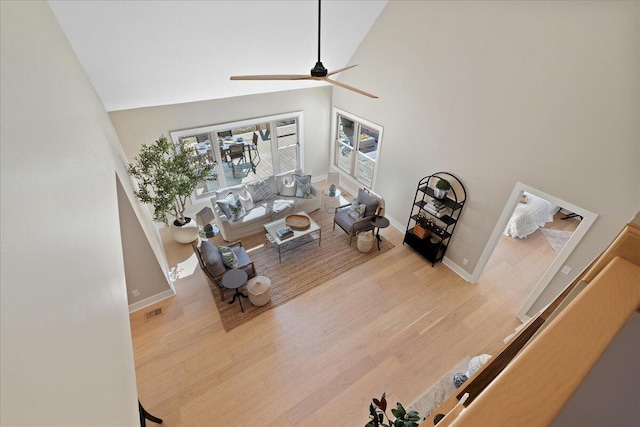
[529, 216]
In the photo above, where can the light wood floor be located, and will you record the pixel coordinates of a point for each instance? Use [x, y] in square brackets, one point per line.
[393, 325]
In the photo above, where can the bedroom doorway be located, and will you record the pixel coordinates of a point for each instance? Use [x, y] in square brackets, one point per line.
[558, 262]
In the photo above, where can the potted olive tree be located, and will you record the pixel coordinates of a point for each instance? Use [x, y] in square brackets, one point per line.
[167, 174]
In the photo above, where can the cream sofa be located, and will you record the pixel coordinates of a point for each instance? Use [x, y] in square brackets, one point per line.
[270, 208]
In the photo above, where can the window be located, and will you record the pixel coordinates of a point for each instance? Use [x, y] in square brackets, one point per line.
[357, 145]
[246, 150]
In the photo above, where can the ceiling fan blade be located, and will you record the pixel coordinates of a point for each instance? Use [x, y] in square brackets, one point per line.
[274, 77]
[370, 95]
[341, 69]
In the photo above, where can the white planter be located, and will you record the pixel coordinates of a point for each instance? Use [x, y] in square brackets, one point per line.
[440, 194]
[186, 233]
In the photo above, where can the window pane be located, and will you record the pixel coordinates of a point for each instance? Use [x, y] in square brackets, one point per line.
[364, 169]
[288, 158]
[287, 131]
[345, 130]
[357, 146]
[368, 142]
[255, 149]
[202, 145]
[344, 155]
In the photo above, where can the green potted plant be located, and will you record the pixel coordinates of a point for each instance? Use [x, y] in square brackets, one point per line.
[421, 229]
[378, 413]
[167, 174]
[442, 188]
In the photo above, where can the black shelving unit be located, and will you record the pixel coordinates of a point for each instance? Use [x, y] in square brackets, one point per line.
[443, 224]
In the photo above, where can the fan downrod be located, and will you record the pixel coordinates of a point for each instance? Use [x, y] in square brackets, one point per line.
[319, 70]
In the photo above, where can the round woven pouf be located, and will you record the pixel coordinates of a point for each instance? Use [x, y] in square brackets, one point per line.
[259, 289]
[365, 241]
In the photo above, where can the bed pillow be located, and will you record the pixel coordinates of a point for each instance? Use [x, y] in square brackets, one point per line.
[303, 186]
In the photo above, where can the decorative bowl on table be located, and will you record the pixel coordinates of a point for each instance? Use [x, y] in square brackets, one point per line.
[298, 222]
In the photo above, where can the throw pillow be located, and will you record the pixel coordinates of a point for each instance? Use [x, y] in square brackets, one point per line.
[229, 257]
[303, 186]
[259, 190]
[237, 211]
[212, 258]
[246, 200]
[272, 184]
[288, 188]
[357, 211]
[282, 178]
[523, 199]
[225, 203]
[368, 200]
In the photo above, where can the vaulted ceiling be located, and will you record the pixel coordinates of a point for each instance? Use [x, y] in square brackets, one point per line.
[147, 53]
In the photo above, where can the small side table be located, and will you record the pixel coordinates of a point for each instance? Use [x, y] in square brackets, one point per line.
[235, 279]
[379, 222]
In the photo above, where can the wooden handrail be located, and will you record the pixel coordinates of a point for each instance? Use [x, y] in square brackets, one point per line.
[536, 385]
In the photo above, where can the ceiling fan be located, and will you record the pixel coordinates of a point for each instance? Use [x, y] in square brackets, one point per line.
[319, 72]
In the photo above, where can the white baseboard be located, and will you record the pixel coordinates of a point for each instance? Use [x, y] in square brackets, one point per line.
[151, 300]
[456, 269]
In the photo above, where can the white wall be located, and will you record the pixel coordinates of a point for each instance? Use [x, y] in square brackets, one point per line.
[144, 125]
[545, 93]
[66, 353]
[143, 272]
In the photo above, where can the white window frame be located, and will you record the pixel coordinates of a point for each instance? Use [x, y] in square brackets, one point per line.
[351, 176]
[213, 129]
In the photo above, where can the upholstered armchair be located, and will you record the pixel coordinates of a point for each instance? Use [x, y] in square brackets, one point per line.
[210, 260]
[351, 220]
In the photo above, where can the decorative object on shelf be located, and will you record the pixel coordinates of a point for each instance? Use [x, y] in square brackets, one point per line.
[333, 179]
[438, 215]
[210, 231]
[297, 222]
[421, 229]
[378, 413]
[442, 188]
[167, 174]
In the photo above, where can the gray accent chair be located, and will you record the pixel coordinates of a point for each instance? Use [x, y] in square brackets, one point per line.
[374, 206]
[210, 261]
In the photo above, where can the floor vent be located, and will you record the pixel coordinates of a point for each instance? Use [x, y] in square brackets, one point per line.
[153, 313]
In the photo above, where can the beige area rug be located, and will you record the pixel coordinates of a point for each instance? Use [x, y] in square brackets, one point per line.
[556, 238]
[301, 269]
[440, 391]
